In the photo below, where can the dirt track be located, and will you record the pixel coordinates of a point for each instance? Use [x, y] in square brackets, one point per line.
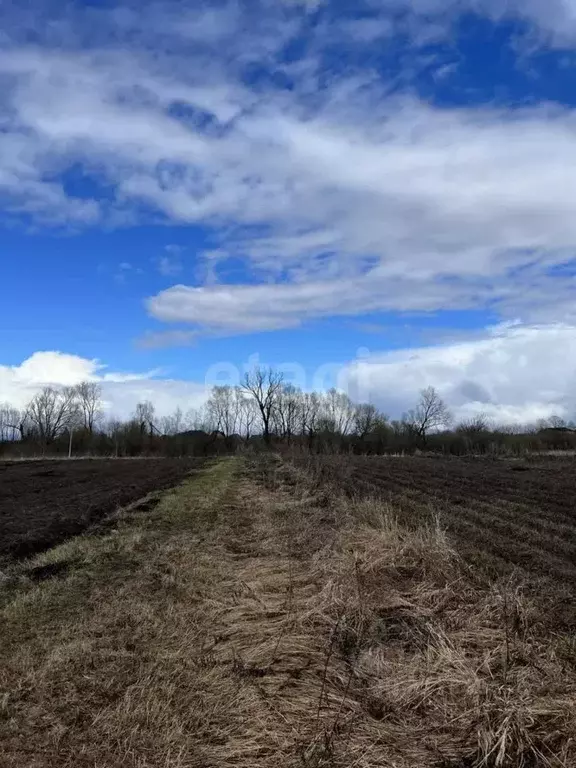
[502, 513]
[45, 502]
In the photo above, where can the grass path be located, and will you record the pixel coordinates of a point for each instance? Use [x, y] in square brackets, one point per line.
[250, 620]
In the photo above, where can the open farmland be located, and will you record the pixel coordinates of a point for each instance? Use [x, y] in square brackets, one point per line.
[252, 618]
[503, 514]
[44, 502]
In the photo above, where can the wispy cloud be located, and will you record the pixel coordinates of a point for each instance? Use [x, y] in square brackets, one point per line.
[226, 308]
[170, 263]
[340, 197]
[125, 271]
[163, 339]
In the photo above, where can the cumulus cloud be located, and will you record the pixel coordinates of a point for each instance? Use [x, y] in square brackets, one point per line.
[514, 374]
[121, 391]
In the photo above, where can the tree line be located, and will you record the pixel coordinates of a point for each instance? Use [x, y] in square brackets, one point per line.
[264, 410]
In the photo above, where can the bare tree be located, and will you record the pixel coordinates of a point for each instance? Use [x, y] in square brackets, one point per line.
[338, 412]
[174, 423]
[144, 416]
[289, 405]
[309, 414]
[114, 429]
[366, 419]
[52, 411]
[12, 422]
[474, 426]
[89, 396]
[223, 410]
[264, 386]
[553, 422]
[195, 419]
[247, 413]
[430, 413]
[307, 417]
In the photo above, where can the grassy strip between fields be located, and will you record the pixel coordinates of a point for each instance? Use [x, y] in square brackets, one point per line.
[76, 647]
[251, 619]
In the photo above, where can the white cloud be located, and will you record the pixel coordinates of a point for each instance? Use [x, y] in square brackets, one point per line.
[239, 309]
[169, 265]
[419, 209]
[172, 338]
[121, 391]
[514, 374]
[554, 20]
[165, 394]
[44, 368]
[419, 193]
[339, 197]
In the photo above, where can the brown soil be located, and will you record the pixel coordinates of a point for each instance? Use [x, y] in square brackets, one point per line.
[45, 502]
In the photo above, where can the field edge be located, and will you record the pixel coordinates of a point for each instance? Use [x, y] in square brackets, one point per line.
[76, 568]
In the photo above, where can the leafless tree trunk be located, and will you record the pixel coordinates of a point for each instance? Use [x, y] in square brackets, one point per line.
[196, 419]
[365, 419]
[338, 411]
[223, 410]
[309, 415]
[264, 386]
[288, 410]
[90, 401]
[173, 424]
[52, 411]
[12, 423]
[336, 417]
[144, 416]
[114, 429]
[430, 413]
[247, 413]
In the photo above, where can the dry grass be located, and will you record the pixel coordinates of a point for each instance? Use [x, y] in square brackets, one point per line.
[259, 622]
[92, 664]
[442, 672]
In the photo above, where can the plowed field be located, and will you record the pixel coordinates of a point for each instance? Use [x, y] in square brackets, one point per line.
[44, 502]
[504, 513]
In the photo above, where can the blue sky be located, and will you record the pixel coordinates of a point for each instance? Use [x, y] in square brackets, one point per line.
[186, 186]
